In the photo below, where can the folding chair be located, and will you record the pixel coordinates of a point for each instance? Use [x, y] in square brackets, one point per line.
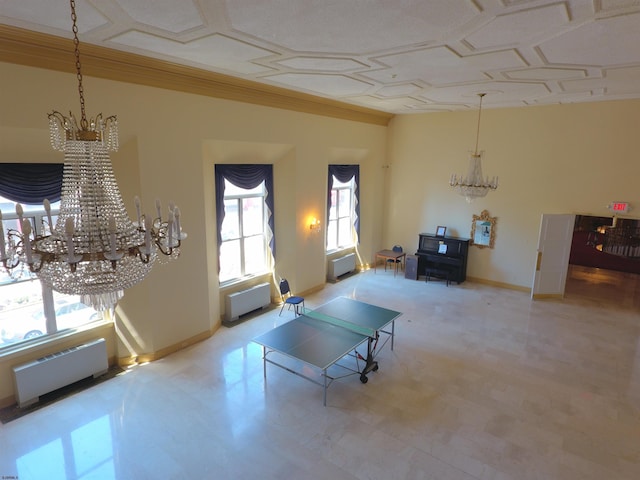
[289, 299]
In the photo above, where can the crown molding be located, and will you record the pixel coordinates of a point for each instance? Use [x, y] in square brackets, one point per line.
[34, 49]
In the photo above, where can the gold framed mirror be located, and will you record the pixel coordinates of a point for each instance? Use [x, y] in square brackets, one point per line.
[483, 230]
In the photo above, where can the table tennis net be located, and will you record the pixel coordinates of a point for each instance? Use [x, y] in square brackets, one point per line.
[339, 322]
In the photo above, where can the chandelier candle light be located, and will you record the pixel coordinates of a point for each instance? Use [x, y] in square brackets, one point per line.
[473, 185]
[94, 250]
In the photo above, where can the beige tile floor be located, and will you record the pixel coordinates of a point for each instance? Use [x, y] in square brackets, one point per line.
[483, 383]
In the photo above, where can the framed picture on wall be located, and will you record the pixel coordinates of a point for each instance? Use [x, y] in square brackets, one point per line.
[483, 230]
[440, 231]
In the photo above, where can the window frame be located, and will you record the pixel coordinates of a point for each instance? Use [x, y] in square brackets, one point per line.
[241, 238]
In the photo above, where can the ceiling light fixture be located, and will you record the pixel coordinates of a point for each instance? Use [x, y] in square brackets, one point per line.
[94, 250]
[473, 185]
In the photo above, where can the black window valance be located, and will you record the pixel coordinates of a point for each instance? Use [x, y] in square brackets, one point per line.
[31, 183]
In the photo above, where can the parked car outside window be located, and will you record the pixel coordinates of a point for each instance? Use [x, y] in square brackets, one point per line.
[69, 314]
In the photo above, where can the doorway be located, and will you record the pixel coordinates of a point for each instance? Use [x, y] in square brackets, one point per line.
[606, 243]
[610, 279]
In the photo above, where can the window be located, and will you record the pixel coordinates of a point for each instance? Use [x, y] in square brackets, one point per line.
[244, 206]
[244, 248]
[343, 217]
[22, 297]
[340, 227]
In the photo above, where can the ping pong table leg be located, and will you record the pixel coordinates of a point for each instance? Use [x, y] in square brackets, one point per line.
[264, 362]
[371, 365]
[324, 393]
[393, 332]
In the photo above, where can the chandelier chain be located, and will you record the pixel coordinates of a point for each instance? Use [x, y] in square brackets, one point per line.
[84, 125]
[478, 129]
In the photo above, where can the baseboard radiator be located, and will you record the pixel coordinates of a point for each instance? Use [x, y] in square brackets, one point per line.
[245, 301]
[59, 369]
[341, 265]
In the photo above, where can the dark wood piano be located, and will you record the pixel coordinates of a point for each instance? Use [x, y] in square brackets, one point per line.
[443, 255]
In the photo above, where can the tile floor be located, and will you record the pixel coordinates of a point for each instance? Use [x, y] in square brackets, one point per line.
[483, 384]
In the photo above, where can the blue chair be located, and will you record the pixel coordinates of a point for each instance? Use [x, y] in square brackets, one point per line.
[396, 248]
[289, 299]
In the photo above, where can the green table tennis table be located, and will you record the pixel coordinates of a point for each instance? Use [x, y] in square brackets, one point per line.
[321, 338]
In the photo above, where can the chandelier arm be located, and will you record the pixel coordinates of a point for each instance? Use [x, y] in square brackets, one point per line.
[144, 257]
[10, 241]
[35, 268]
[10, 265]
[161, 238]
[15, 250]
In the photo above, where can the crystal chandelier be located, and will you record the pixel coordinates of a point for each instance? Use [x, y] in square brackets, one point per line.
[473, 185]
[94, 250]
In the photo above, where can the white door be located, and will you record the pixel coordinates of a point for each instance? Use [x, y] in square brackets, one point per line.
[552, 262]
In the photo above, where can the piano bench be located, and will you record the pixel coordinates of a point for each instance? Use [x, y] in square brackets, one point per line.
[437, 272]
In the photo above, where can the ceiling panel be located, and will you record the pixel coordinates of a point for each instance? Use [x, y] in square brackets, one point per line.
[401, 56]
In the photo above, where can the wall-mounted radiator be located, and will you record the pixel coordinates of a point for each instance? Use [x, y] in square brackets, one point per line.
[340, 266]
[245, 301]
[59, 369]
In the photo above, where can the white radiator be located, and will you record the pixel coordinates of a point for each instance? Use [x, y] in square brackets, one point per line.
[340, 266]
[59, 369]
[246, 301]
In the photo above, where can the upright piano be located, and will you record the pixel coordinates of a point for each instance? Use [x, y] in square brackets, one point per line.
[444, 254]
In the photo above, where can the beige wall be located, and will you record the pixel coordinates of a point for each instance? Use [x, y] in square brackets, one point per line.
[169, 144]
[556, 159]
[550, 159]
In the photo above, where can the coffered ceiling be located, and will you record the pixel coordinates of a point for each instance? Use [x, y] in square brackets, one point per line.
[396, 56]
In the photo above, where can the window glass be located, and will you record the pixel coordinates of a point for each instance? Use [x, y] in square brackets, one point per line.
[20, 304]
[71, 312]
[231, 222]
[254, 254]
[332, 235]
[230, 260]
[333, 210]
[345, 236]
[344, 203]
[252, 216]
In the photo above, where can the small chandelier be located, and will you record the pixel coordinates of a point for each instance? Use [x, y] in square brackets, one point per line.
[94, 250]
[473, 185]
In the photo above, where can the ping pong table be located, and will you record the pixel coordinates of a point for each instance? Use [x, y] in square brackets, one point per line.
[323, 337]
